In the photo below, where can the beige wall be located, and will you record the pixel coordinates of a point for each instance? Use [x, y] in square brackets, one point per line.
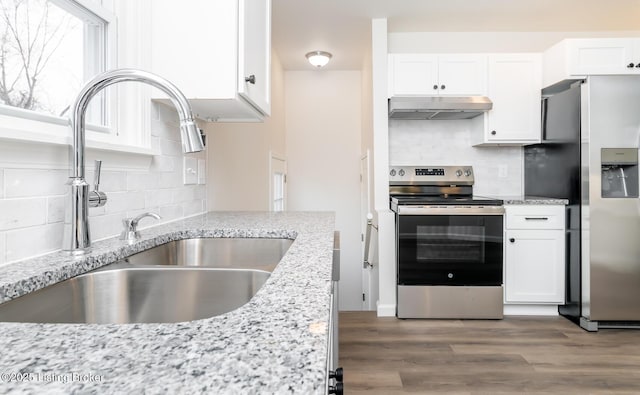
[323, 125]
[238, 154]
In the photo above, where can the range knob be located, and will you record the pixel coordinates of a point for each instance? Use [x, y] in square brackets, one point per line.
[458, 173]
[401, 173]
[337, 389]
[392, 173]
[338, 375]
[467, 173]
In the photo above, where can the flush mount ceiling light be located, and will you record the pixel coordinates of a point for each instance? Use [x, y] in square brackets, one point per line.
[318, 58]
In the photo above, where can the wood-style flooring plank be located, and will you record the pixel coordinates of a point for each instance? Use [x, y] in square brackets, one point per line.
[536, 355]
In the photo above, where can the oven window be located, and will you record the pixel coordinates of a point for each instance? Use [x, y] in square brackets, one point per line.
[449, 249]
[450, 243]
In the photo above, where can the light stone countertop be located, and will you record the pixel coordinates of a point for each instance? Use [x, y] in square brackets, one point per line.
[277, 343]
[532, 200]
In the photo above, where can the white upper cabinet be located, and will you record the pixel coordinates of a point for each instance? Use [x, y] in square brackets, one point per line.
[576, 58]
[429, 74]
[514, 86]
[210, 50]
[254, 55]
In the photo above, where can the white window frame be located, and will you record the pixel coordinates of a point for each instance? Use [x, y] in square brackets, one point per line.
[30, 126]
[277, 165]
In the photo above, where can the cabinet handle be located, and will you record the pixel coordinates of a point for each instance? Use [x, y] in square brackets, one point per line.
[442, 87]
[250, 79]
[638, 66]
[630, 65]
[536, 218]
[493, 132]
[512, 240]
[435, 87]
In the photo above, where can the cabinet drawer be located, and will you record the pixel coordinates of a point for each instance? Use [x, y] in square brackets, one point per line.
[535, 217]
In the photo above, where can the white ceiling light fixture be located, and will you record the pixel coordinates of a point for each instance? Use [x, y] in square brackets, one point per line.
[318, 58]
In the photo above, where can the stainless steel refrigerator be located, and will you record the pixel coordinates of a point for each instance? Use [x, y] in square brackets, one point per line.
[589, 155]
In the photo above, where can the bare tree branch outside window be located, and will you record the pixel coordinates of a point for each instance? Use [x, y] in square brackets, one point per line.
[31, 34]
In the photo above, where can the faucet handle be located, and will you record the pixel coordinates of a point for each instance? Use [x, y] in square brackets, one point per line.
[97, 198]
[96, 177]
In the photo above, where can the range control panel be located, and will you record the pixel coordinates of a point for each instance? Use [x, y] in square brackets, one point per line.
[423, 175]
[430, 172]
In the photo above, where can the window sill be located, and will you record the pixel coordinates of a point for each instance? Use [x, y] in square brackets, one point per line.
[47, 151]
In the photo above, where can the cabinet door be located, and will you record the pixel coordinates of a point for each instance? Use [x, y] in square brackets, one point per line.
[515, 81]
[602, 56]
[254, 53]
[534, 266]
[413, 74]
[462, 74]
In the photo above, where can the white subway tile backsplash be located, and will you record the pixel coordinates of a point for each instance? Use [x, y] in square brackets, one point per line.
[35, 240]
[113, 181]
[169, 213]
[142, 181]
[30, 182]
[200, 192]
[169, 131]
[170, 147]
[32, 201]
[157, 198]
[120, 202]
[171, 180]
[106, 225]
[168, 114]
[55, 209]
[3, 248]
[193, 207]
[449, 143]
[95, 211]
[183, 195]
[20, 213]
[162, 163]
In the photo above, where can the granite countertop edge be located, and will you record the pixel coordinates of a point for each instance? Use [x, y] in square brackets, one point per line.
[276, 343]
[531, 200]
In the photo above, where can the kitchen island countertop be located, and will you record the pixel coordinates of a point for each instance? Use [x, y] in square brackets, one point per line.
[276, 343]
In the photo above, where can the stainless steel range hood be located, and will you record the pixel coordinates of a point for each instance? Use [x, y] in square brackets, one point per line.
[438, 107]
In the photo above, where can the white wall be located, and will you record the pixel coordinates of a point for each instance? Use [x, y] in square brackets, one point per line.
[238, 156]
[386, 220]
[323, 126]
[497, 170]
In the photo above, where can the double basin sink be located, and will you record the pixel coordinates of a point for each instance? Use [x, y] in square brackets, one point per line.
[182, 280]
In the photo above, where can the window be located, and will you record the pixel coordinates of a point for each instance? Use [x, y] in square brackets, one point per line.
[278, 184]
[48, 50]
[278, 191]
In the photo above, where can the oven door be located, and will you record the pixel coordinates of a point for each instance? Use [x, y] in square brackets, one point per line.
[450, 246]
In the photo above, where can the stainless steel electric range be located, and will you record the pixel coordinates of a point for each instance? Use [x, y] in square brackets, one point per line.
[449, 244]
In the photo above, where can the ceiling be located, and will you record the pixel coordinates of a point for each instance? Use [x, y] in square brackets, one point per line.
[342, 27]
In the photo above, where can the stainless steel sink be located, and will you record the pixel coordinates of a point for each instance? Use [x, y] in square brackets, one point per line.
[245, 253]
[127, 295]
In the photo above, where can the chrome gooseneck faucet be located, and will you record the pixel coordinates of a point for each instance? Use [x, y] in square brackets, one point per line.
[77, 239]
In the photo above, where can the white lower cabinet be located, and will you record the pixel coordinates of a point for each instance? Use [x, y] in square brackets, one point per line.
[534, 255]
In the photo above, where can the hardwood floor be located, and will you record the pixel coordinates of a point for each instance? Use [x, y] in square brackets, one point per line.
[523, 355]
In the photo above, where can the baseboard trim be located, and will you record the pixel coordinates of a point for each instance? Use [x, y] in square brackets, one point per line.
[536, 309]
[386, 310]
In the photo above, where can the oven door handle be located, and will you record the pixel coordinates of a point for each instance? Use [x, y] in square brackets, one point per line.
[450, 210]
